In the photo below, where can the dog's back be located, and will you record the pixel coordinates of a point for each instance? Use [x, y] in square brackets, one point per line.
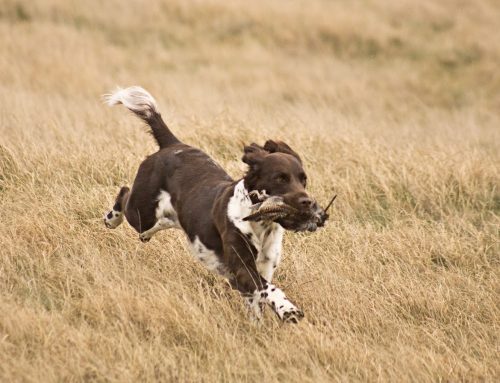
[175, 169]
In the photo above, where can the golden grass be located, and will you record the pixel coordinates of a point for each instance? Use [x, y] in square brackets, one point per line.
[393, 105]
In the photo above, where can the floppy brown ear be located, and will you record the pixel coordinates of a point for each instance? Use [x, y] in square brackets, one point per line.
[279, 146]
[254, 154]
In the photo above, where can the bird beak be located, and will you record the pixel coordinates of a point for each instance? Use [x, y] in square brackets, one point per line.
[330, 203]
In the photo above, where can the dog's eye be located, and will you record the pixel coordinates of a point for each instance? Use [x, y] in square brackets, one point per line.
[303, 179]
[283, 178]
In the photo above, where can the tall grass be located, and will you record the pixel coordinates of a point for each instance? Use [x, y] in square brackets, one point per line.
[393, 105]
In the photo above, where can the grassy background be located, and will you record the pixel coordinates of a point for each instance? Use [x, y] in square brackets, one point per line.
[394, 105]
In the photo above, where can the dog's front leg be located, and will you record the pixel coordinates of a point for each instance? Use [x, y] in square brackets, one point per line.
[257, 290]
[273, 296]
[249, 283]
[281, 305]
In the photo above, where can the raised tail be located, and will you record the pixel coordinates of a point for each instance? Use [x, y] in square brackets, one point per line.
[140, 101]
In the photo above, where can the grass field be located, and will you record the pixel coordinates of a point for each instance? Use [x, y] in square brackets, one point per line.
[394, 105]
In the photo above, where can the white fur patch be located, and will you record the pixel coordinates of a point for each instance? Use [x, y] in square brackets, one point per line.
[166, 217]
[207, 257]
[165, 208]
[278, 301]
[240, 206]
[113, 219]
[134, 98]
[269, 257]
[266, 237]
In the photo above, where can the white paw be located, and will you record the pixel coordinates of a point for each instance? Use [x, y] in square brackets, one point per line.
[113, 219]
[145, 237]
[281, 305]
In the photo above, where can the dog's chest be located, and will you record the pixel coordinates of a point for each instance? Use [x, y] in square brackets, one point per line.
[266, 237]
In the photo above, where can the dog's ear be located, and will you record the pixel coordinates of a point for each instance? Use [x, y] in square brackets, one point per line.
[279, 146]
[254, 154]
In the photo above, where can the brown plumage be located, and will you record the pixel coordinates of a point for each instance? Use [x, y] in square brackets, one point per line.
[271, 209]
[274, 208]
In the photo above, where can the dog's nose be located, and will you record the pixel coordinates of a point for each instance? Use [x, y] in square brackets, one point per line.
[305, 202]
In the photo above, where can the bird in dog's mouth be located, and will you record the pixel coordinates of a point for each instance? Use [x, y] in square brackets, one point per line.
[274, 209]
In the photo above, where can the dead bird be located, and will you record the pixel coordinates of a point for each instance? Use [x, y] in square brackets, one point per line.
[271, 209]
[274, 208]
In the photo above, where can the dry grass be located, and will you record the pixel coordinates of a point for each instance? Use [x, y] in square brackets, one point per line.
[394, 105]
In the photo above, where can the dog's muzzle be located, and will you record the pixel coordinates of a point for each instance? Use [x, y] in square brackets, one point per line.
[309, 220]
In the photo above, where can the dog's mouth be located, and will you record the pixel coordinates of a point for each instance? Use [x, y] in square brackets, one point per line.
[309, 220]
[274, 209]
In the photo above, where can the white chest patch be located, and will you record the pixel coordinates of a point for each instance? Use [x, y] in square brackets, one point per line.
[269, 258]
[266, 237]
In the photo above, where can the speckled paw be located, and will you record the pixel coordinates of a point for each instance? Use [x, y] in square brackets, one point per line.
[293, 316]
[113, 219]
[144, 238]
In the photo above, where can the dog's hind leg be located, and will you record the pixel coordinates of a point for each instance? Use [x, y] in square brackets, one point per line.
[166, 217]
[162, 224]
[114, 217]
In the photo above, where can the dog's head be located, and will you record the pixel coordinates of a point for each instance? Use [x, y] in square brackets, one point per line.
[277, 169]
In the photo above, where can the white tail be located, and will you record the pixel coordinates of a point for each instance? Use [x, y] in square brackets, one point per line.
[134, 98]
[140, 101]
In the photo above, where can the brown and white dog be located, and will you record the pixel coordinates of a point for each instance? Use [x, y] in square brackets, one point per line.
[181, 187]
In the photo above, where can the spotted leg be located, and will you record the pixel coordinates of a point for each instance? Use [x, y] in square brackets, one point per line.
[281, 305]
[114, 217]
[253, 286]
